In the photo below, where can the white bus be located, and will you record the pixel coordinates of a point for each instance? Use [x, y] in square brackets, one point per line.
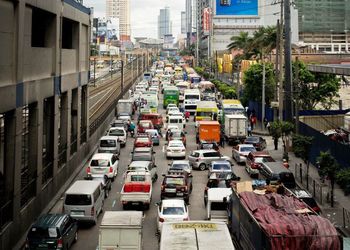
[191, 97]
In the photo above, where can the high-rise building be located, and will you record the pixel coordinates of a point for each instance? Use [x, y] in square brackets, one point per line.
[120, 9]
[164, 24]
[183, 22]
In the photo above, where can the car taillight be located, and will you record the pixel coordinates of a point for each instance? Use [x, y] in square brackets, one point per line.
[255, 165]
[92, 211]
[316, 209]
[88, 170]
[59, 243]
[186, 218]
[111, 169]
[161, 219]
[162, 187]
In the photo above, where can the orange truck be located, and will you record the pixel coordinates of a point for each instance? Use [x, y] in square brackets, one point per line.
[208, 131]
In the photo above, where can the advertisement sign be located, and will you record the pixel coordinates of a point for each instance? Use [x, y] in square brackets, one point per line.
[236, 7]
[206, 20]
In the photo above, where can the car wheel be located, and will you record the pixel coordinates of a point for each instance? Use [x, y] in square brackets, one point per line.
[125, 206]
[202, 167]
[146, 206]
[75, 237]
[113, 178]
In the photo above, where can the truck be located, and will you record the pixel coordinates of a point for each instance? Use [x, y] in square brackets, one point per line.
[235, 128]
[120, 230]
[230, 107]
[137, 189]
[208, 131]
[125, 106]
[206, 111]
[199, 235]
[273, 219]
[217, 205]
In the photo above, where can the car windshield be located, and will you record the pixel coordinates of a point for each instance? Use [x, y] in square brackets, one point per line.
[180, 166]
[173, 211]
[175, 181]
[116, 132]
[309, 201]
[248, 149]
[221, 167]
[138, 178]
[78, 199]
[43, 233]
[252, 139]
[145, 124]
[209, 146]
[101, 162]
[177, 134]
[176, 145]
[215, 183]
[141, 157]
[107, 143]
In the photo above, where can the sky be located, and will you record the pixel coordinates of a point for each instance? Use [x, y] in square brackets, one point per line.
[144, 15]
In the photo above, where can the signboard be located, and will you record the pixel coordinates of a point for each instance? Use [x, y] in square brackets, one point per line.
[206, 20]
[236, 8]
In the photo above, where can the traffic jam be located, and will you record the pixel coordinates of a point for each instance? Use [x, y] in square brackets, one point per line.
[176, 146]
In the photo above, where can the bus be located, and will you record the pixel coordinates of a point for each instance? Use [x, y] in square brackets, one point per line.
[171, 95]
[191, 97]
[182, 86]
[151, 102]
[230, 107]
[207, 111]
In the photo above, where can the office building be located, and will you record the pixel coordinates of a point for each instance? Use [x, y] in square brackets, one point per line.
[164, 23]
[120, 9]
[183, 22]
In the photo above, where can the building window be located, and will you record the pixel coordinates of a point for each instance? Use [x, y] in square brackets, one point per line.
[48, 134]
[43, 32]
[69, 34]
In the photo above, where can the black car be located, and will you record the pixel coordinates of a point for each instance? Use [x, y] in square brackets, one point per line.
[176, 185]
[208, 145]
[52, 231]
[257, 141]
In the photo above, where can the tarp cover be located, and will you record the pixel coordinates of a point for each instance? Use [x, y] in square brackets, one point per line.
[287, 228]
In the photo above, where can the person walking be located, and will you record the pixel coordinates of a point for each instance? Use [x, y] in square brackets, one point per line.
[249, 130]
[222, 140]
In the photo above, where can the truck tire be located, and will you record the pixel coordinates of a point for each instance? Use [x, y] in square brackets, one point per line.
[202, 167]
[125, 206]
[146, 206]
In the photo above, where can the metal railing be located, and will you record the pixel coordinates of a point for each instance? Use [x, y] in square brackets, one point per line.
[6, 213]
[47, 172]
[29, 191]
[62, 155]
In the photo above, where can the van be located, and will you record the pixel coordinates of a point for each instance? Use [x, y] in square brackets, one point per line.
[109, 144]
[177, 120]
[275, 171]
[83, 201]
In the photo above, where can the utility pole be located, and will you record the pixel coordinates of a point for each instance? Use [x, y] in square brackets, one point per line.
[197, 33]
[278, 41]
[280, 81]
[263, 95]
[288, 62]
[94, 71]
[296, 89]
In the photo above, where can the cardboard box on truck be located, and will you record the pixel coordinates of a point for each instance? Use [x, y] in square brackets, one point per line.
[209, 131]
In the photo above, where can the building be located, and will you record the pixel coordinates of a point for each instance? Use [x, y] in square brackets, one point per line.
[44, 117]
[188, 22]
[183, 22]
[324, 25]
[120, 9]
[164, 23]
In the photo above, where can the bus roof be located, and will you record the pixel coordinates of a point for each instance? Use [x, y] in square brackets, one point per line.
[188, 91]
[231, 101]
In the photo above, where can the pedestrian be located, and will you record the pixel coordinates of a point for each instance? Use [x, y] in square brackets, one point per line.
[253, 121]
[265, 122]
[268, 126]
[222, 140]
[249, 130]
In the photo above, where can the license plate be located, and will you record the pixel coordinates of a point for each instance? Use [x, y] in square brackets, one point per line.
[135, 203]
[43, 245]
[170, 190]
[179, 194]
[77, 213]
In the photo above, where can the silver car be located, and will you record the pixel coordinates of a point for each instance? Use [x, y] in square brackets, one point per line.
[201, 159]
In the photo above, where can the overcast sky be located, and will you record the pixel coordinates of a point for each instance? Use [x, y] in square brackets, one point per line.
[144, 15]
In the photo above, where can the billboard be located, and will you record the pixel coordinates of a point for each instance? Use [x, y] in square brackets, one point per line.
[206, 20]
[236, 8]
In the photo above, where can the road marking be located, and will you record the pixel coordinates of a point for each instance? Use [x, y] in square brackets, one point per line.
[113, 204]
[163, 149]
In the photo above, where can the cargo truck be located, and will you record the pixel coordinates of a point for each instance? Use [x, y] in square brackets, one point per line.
[235, 128]
[208, 131]
[276, 220]
[120, 230]
[125, 106]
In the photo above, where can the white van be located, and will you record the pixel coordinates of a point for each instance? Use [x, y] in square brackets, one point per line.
[109, 144]
[84, 200]
[177, 120]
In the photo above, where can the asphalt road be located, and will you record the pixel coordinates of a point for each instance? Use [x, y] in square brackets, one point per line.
[88, 235]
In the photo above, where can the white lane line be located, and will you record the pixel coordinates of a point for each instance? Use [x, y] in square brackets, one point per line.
[113, 204]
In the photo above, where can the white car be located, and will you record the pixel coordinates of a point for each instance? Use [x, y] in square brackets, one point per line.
[171, 210]
[172, 107]
[173, 110]
[103, 164]
[175, 148]
[120, 133]
[241, 151]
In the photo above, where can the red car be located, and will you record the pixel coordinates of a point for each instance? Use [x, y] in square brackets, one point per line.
[143, 125]
[156, 119]
[254, 161]
[144, 141]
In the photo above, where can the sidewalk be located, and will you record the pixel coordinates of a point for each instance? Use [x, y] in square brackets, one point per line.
[340, 213]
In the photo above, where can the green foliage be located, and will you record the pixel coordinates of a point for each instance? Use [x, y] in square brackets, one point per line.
[252, 81]
[343, 179]
[315, 88]
[276, 129]
[281, 129]
[188, 51]
[301, 146]
[328, 165]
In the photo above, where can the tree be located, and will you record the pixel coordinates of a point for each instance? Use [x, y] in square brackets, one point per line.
[301, 146]
[315, 88]
[241, 42]
[329, 168]
[252, 80]
[275, 132]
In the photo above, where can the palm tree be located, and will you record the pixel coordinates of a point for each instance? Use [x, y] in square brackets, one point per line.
[264, 40]
[241, 42]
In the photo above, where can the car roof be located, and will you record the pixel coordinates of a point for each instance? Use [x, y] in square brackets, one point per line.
[142, 149]
[173, 202]
[102, 156]
[246, 145]
[176, 141]
[151, 130]
[144, 121]
[261, 154]
[277, 167]
[116, 128]
[180, 162]
[49, 220]
[83, 187]
[221, 162]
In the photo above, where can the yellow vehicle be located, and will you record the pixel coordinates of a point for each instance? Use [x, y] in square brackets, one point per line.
[231, 107]
[207, 111]
[178, 71]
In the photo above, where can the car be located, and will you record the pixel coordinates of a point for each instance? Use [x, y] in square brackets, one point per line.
[171, 110]
[120, 133]
[257, 141]
[276, 172]
[143, 156]
[143, 141]
[119, 124]
[157, 119]
[105, 182]
[254, 161]
[208, 145]
[109, 144]
[177, 135]
[147, 166]
[176, 186]
[171, 210]
[170, 105]
[105, 164]
[307, 198]
[201, 159]
[218, 167]
[124, 117]
[223, 180]
[143, 150]
[175, 148]
[52, 231]
[143, 125]
[182, 165]
[241, 151]
[155, 136]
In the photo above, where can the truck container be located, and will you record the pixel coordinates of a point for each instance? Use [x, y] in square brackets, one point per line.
[125, 106]
[217, 207]
[209, 131]
[121, 230]
[276, 220]
[235, 128]
[198, 235]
